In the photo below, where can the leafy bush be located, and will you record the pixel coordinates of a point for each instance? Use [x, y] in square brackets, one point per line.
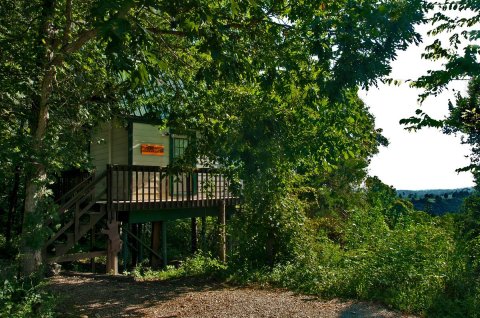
[270, 233]
[25, 299]
[199, 265]
[407, 267]
[203, 265]
[461, 295]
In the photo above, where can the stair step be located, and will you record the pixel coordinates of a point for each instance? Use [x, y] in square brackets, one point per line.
[67, 232]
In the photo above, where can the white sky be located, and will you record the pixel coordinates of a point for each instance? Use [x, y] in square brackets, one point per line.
[425, 159]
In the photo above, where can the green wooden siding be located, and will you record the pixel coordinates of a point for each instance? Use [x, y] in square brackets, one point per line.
[149, 134]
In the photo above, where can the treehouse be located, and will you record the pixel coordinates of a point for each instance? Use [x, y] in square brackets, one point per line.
[134, 184]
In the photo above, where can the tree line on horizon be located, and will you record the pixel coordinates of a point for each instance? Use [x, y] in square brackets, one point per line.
[437, 202]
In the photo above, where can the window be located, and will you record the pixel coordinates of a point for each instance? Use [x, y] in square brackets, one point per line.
[179, 146]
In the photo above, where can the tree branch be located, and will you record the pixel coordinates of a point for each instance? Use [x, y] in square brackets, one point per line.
[85, 36]
[68, 22]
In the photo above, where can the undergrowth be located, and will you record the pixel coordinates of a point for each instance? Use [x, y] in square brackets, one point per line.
[199, 265]
[25, 297]
[417, 266]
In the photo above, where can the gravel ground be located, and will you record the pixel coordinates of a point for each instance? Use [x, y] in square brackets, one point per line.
[92, 295]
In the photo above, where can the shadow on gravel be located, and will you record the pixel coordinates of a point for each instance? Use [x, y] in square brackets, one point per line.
[94, 295]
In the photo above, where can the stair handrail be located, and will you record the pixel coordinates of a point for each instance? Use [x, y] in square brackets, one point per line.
[81, 192]
[75, 189]
[83, 189]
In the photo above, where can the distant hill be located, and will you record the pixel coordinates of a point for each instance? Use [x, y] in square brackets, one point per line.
[437, 201]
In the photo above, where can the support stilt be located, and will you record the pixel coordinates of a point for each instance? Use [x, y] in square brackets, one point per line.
[194, 235]
[92, 245]
[125, 247]
[156, 229]
[140, 246]
[222, 233]
[113, 247]
[164, 243]
[135, 245]
[204, 233]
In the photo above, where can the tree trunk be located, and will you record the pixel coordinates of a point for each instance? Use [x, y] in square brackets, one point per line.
[12, 208]
[51, 57]
[31, 256]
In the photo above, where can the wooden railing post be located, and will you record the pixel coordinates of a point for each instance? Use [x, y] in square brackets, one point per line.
[189, 191]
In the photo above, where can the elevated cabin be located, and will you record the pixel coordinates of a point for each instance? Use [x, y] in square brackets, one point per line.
[134, 184]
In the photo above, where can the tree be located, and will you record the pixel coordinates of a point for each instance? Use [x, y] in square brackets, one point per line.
[464, 118]
[66, 65]
[460, 53]
[461, 62]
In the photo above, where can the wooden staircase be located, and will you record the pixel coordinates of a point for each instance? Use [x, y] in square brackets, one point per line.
[79, 214]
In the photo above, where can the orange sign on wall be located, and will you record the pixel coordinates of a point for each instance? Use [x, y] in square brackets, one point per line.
[152, 150]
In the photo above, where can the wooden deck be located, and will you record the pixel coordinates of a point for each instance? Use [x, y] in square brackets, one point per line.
[135, 188]
[136, 194]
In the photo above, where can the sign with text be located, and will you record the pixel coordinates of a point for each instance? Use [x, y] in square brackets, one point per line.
[152, 150]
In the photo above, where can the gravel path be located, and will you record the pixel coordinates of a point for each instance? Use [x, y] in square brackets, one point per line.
[88, 295]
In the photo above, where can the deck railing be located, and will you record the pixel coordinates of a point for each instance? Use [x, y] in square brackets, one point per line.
[133, 187]
[67, 181]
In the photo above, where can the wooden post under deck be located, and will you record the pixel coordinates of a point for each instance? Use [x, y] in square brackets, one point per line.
[194, 235]
[113, 247]
[164, 243]
[92, 245]
[125, 250]
[203, 233]
[156, 229]
[222, 233]
[140, 246]
[114, 244]
[135, 244]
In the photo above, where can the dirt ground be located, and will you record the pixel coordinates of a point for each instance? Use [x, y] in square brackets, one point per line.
[91, 295]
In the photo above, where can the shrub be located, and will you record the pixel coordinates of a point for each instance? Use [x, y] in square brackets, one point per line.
[25, 299]
[406, 267]
[200, 265]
